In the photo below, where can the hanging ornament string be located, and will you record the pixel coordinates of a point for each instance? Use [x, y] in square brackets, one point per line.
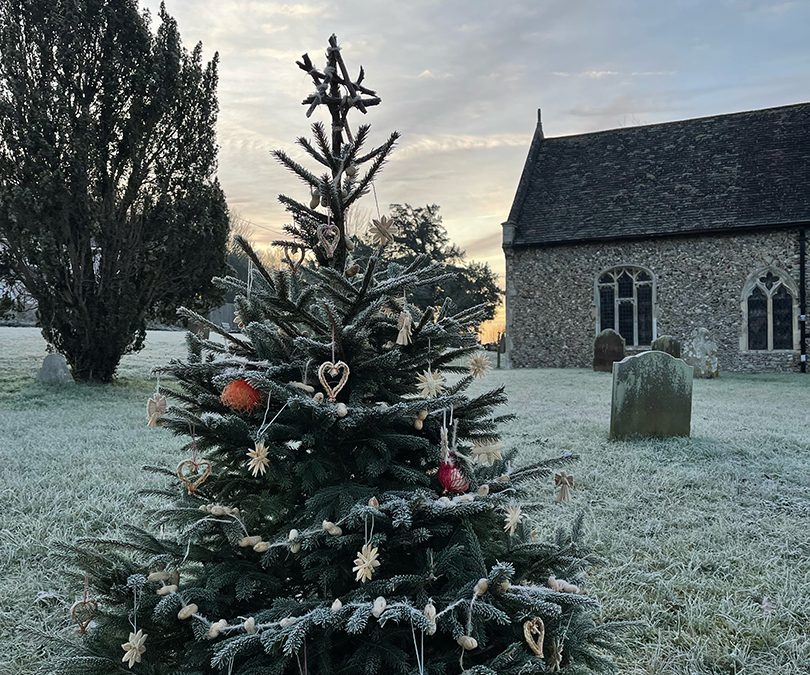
[134, 620]
[420, 654]
[192, 430]
[250, 277]
[376, 203]
[156, 406]
[264, 427]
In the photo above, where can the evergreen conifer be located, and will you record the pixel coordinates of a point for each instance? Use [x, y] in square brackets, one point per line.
[347, 507]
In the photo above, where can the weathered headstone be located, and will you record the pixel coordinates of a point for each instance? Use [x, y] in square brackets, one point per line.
[700, 352]
[607, 349]
[652, 396]
[55, 370]
[668, 344]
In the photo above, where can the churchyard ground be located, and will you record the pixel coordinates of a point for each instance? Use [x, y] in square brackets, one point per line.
[705, 540]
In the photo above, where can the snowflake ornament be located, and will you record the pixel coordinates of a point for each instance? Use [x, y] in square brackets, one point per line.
[479, 364]
[134, 648]
[259, 461]
[430, 384]
[486, 453]
[366, 562]
[381, 231]
[513, 514]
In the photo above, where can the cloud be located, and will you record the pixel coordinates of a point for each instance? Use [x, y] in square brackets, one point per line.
[430, 75]
[463, 81]
[433, 144]
[599, 74]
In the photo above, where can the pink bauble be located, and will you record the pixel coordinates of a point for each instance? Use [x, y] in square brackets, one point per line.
[452, 479]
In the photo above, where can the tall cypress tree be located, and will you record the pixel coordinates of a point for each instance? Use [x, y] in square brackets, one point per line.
[110, 211]
[346, 506]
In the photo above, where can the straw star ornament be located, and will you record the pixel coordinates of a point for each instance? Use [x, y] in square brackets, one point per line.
[259, 461]
[134, 648]
[366, 562]
[381, 231]
[513, 514]
[486, 453]
[479, 364]
[430, 384]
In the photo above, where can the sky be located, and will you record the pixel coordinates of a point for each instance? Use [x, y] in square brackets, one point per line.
[462, 81]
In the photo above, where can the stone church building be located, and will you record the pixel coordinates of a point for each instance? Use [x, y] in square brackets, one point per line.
[661, 229]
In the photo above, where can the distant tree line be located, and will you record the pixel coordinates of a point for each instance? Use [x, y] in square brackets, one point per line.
[420, 231]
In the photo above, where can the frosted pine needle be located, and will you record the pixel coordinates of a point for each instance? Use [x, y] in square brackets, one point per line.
[366, 562]
[259, 460]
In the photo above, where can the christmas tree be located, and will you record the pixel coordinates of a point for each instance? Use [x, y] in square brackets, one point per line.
[346, 506]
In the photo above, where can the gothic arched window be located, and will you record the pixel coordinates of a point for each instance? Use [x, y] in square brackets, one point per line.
[769, 306]
[625, 297]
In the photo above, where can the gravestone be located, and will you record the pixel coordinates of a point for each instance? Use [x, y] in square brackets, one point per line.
[652, 396]
[700, 352]
[607, 348]
[668, 344]
[55, 370]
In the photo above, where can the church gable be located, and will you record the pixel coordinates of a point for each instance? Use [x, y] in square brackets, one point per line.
[699, 176]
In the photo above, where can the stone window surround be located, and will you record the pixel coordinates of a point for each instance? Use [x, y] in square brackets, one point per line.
[653, 283]
[753, 281]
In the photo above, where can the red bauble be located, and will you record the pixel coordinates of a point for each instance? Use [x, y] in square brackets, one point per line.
[452, 479]
[241, 396]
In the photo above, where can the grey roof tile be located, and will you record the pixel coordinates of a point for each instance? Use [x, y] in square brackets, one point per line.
[709, 174]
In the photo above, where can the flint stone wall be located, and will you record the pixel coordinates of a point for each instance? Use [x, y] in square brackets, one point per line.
[551, 306]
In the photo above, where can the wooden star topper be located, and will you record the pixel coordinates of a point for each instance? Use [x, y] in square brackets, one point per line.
[328, 92]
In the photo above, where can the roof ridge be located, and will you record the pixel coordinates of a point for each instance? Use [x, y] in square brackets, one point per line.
[739, 113]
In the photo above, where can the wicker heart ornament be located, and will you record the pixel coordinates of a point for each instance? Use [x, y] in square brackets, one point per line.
[294, 264]
[193, 473]
[83, 612]
[339, 369]
[329, 238]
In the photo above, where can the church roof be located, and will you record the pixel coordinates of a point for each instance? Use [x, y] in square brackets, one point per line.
[697, 176]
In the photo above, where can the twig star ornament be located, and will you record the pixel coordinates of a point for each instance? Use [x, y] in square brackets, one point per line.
[366, 563]
[134, 648]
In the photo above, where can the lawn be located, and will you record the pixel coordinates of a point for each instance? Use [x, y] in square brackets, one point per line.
[705, 540]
